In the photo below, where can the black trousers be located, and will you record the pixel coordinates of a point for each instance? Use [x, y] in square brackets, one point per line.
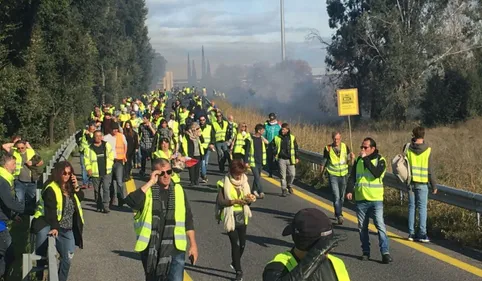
[271, 162]
[145, 153]
[237, 237]
[195, 171]
[6, 252]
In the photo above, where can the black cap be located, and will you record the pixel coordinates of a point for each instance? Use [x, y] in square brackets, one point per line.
[272, 115]
[114, 126]
[310, 224]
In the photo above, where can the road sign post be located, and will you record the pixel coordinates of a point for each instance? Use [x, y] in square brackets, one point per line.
[348, 106]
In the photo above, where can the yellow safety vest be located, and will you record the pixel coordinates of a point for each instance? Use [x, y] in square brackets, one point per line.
[289, 261]
[90, 158]
[18, 160]
[83, 142]
[40, 212]
[183, 116]
[234, 195]
[338, 165]
[175, 128]
[367, 187]
[143, 221]
[185, 146]
[206, 133]
[251, 153]
[161, 154]
[220, 132]
[277, 141]
[419, 165]
[240, 142]
[8, 177]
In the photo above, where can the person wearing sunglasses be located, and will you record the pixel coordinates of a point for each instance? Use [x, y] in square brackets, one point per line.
[60, 215]
[366, 182]
[241, 144]
[163, 223]
[192, 147]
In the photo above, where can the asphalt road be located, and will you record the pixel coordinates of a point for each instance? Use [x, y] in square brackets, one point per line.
[109, 240]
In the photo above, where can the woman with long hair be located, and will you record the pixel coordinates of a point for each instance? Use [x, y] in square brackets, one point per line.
[59, 214]
[234, 197]
[132, 147]
[192, 148]
[163, 151]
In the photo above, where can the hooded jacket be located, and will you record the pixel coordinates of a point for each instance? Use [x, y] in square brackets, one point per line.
[271, 130]
[419, 149]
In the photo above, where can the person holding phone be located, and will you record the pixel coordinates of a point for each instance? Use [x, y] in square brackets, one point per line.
[163, 224]
[59, 214]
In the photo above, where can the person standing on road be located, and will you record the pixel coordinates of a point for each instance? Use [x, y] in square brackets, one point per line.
[234, 196]
[192, 147]
[257, 159]
[147, 132]
[285, 149]
[132, 139]
[86, 140]
[241, 144]
[59, 214]
[419, 156]
[272, 128]
[208, 146]
[220, 132]
[162, 221]
[119, 143]
[366, 181]
[25, 185]
[9, 207]
[310, 258]
[99, 160]
[335, 160]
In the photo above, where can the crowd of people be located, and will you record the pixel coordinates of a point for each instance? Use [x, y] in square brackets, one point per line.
[183, 135]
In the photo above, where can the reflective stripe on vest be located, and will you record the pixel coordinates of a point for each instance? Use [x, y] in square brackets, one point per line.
[252, 162]
[419, 165]
[240, 142]
[338, 166]
[367, 187]
[289, 261]
[143, 221]
[91, 160]
[206, 133]
[220, 132]
[40, 211]
[277, 141]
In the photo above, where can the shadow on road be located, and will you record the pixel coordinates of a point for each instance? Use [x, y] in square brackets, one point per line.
[131, 255]
[266, 241]
[271, 211]
[207, 272]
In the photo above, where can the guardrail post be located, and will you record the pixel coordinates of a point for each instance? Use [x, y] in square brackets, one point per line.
[478, 219]
[26, 266]
[401, 197]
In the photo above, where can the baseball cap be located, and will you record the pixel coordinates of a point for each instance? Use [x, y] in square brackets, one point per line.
[272, 115]
[114, 125]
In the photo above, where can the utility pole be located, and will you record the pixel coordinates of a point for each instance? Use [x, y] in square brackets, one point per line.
[283, 47]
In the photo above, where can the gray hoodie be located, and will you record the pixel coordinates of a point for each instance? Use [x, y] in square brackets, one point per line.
[419, 149]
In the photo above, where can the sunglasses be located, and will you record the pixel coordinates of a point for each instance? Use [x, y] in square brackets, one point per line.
[364, 147]
[163, 173]
[66, 173]
[21, 147]
[202, 120]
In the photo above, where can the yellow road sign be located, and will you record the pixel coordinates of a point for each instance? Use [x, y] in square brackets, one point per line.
[347, 102]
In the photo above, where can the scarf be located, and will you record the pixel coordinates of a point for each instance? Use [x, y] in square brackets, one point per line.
[242, 184]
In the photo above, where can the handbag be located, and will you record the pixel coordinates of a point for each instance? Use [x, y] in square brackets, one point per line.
[239, 219]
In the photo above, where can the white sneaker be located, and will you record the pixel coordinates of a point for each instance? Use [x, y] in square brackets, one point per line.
[256, 194]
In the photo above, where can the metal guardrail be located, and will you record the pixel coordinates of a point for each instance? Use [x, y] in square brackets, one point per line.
[460, 198]
[28, 258]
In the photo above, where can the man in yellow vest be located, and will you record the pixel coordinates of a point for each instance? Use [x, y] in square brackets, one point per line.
[310, 258]
[208, 146]
[335, 158]
[419, 156]
[257, 159]
[86, 140]
[25, 184]
[220, 132]
[99, 160]
[119, 144]
[366, 182]
[163, 223]
[286, 153]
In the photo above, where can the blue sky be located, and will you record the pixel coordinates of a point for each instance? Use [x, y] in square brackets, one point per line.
[234, 31]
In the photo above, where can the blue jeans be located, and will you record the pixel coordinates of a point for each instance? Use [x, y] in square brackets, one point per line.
[223, 155]
[6, 252]
[118, 177]
[338, 188]
[205, 162]
[374, 209]
[85, 177]
[65, 244]
[418, 198]
[25, 191]
[176, 271]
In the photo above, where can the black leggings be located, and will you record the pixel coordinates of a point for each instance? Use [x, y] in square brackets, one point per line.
[237, 249]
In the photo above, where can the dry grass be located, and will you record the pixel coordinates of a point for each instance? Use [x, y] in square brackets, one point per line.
[456, 157]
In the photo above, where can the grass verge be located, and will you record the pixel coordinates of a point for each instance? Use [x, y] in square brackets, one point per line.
[456, 154]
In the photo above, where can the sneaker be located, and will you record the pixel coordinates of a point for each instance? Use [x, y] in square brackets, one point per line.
[365, 257]
[256, 194]
[386, 258]
[203, 180]
[232, 266]
[284, 193]
[411, 237]
[290, 189]
[340, 220]
[239, 276]
[261, 195]
[106, 211]
[424, 238]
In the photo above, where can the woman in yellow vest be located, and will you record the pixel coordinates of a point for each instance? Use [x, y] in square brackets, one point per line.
[309, 260]
[234, 197]
[192, 148]
[59, 214]
[241, 144]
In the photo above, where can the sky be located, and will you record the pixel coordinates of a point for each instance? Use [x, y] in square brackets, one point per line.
[234, 31]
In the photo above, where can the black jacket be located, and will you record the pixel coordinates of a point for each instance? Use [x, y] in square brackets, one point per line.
[8, 204]
[315, 266]
[50, 216]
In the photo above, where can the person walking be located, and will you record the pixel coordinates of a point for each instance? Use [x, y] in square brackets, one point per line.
[336, 157]
[285, 149]
[119, 144]
[99, 160]
[272, 128]
[257, 159]
[220, 132]
[234, 197]
[208, 146]
[192, 148]
[162, 220]
[164, 151]
[366, 182]
[132, 139]
[419, 156]
[147, 132]
[59, 214]
[241, 144]
[8, 207]
[86, 140]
